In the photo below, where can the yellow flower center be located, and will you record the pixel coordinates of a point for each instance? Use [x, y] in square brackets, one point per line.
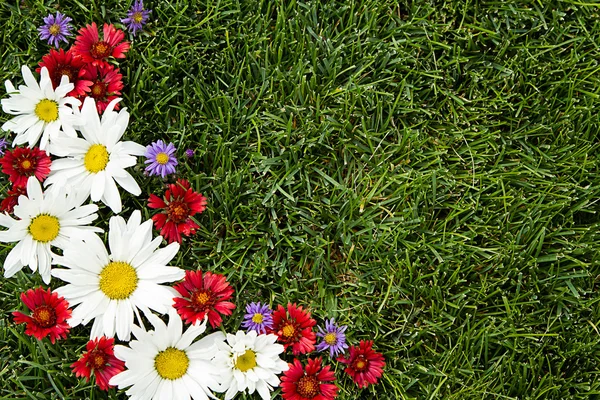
[138, 17]
[257, 318]
[96, 158]
[162, 158]
[44, 228]
[288, 331]
[54, 29]
[25, 164]
[44, 316]
[330, 338]
[246, 361]
[118, 280]
[47, 110]
[171, 363]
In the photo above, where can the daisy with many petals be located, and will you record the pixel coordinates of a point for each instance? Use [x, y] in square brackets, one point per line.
[334, 338]
[180, 203]
[48, 314]
[22, 162]
[202, 296]
[40, 110]
[164, 363]
[106, 84]
[363, 364]
[95, 164]
[99, 359]
[160, 158]
[293, 327]
[61, 63]
[251, 363]
[137, 16]
[112, 288]
[258, 317]
[314, 382]
[44, 220]
[55, 29]
[94, 50]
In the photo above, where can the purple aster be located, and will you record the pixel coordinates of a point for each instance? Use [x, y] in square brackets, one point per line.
[161, 158]
[334, 338]
[3, 144]
[136, 17]
[55, 29]
[258, 317]
[189, 153]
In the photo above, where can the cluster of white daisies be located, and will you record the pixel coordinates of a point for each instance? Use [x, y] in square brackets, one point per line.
[112, 284]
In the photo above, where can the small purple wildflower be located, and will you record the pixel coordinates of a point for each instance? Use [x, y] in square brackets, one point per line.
[189, 153]
[55, 29]
[258, 317]
[334, 338]
[161, 158]
[3, 144]
[136, 17]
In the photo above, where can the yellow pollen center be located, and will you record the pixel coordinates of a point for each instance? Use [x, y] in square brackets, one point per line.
[44, 228]
[246, 361]
[257, 318]
[288, 331]
[137, 17]
[26, 164]
[54, 29]
[118, 280]
[308, 387]
[201, 298]
[162, 158]
[44, 316]
[360, 364]
[330, 338]
[96, 158]
[47, 110]
[171, 363]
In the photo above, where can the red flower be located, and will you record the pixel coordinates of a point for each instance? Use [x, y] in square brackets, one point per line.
[9, 203]
[60, 63]
[202, 296]
[93, 50]
[364, 364]
[23, 162]
[179, 204]
[49, 313]
[295, 330]
[105, 84]
[300, 384]
[99, 359]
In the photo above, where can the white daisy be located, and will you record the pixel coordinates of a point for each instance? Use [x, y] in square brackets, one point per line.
[96, 163]
[40, 110]
[45, 219]
[110, 289]
[251, 362]
[164, 364]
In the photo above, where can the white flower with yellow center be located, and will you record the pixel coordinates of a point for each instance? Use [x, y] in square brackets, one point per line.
[40, 110]
[112, 288]
[94, 165]
[251, 362]
[45, 220]
[165, 364]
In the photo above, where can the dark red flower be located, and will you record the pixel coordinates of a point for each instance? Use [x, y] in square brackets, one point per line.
[99, 359]
[94, 50]
[202, 296]
[22, 162]
[364, 364]
[294, 328]
[179, 204]
[106, 84]
[9, 203]
[60, 63]
[310, 384]
[49, 313]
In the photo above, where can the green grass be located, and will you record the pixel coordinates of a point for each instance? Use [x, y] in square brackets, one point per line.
[427, 173]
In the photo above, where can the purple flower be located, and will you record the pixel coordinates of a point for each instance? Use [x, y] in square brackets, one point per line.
[161, 158]
[258, 317]
[55, 29]
[3, 144]
[136, 17]
[334, 338]
[189, 153]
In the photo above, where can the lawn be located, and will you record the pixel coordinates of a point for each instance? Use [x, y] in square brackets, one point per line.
[425, 172]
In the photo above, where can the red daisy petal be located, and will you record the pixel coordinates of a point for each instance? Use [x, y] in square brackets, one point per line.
[364, 365]
[61, 63]
[294, 328]
[49, 313]
[94, 50]
[200, 297]
[100, 360]
[106, 84]
[22, 162]
[9, 203]
[312, 382]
